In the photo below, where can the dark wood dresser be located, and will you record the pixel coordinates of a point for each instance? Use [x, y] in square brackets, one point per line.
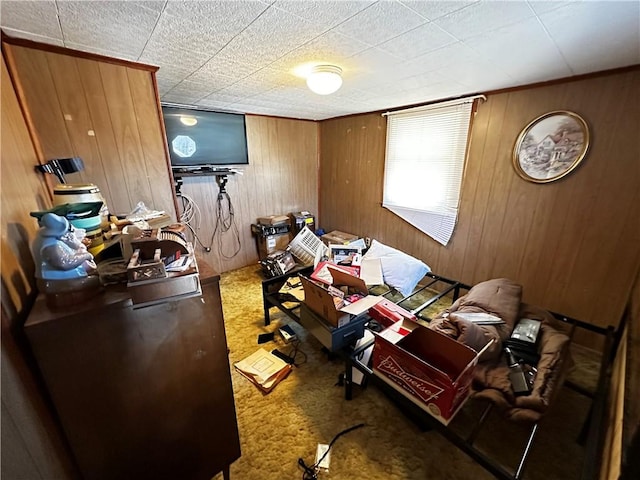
[141, 393]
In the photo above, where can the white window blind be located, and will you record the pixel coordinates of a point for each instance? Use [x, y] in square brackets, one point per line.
[426, 150]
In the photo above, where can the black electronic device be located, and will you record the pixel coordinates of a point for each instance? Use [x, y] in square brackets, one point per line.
[203, 140]
[287, 333]
[267, 230]
[517, 375]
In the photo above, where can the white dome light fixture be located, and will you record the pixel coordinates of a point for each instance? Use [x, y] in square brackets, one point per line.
[188, 121]
[325, 79]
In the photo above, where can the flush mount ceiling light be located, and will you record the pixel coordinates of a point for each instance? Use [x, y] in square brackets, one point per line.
[188, 121]
[324, 79]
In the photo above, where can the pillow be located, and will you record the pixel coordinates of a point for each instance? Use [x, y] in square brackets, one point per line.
[400, 270]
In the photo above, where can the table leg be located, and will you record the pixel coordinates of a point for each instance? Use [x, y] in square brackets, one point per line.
[348, 378]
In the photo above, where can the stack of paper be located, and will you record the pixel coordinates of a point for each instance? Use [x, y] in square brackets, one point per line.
[263, 369]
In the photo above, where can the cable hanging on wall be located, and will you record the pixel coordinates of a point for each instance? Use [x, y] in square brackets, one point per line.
[224, 219]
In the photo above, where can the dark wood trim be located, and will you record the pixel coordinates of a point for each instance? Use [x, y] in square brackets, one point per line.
[17, 87]
[167, 154]
[277, 117]
[22, 42]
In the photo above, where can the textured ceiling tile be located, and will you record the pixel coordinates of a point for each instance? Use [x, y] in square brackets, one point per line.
[521, 49]
[372, 63]
[205, 26]
[323, 13]
[171, 72]
[191, 89]
[415, 81]
[483, 17]
[228, 67]
[432, 10]
[478, 74]
[413, 43]
[272, 35]
[543, 6]
[445, 57]
[380, 22]
[114, 26]
[39, 18]
[611, 30]
[161, 53]
[330, 47]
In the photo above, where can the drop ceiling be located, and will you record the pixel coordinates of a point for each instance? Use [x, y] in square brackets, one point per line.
[241, 56]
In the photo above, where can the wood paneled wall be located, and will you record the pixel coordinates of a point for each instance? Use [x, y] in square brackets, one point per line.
[104, 113]
[282, 177]
[572, 244]
[31, 445]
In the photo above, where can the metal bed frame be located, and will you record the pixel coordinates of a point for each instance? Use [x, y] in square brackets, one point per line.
[593, 431]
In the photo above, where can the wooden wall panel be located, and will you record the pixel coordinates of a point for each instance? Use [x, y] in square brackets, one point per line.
[281, 178]
[38, 86]
[31, 447]
[572, 243]
[104, 113]
[118, 198]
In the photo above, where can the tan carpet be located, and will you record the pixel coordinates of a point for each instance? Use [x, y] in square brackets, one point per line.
[307, 408]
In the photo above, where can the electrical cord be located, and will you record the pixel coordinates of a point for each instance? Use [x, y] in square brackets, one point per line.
[311, 472]
[225, 221]
[295, 351]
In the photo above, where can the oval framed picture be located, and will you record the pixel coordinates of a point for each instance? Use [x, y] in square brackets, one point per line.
[551, 146]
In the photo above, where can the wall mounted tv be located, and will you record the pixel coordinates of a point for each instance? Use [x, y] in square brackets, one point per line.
[204, 140]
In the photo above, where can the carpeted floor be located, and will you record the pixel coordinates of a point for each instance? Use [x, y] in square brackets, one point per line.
[308, 408]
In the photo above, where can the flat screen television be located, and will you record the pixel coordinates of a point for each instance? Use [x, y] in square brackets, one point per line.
[203, 139]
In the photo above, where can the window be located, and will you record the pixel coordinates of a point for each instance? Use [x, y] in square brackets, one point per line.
[426, 150]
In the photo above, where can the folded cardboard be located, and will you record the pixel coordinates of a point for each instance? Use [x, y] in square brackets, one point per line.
[322, 273]
[274, 220]
[431, 369]
[318, 298]
[338, 237]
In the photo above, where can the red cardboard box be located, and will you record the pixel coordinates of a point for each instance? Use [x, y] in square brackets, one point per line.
[386, 313]
[431, 369]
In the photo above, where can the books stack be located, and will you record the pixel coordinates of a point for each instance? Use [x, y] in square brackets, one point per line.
[263, 369]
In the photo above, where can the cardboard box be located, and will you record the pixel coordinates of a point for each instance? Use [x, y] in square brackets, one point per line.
[431, 369]
[272, 243]
[301, 219]
[273, 220]
[338, 237]
[321, 302]
[386, 313]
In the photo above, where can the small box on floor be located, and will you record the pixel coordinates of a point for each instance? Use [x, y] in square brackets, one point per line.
[277, 263]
